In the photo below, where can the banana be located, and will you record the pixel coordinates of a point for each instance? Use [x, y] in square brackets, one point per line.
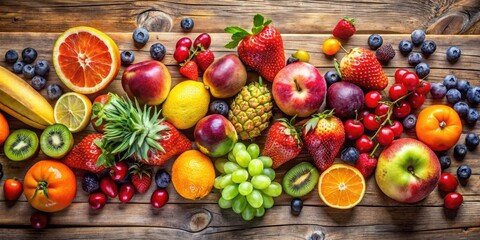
[23, 102]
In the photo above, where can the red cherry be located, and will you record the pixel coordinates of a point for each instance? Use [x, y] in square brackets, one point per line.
[397, 128]
[38, 220]
[126, 192]
[411, 81]
[382, 111]
[363, 114]
[372, 98]
[385, 136]
[204, 39]
[399, 74]
[396, 91]
[453, 200]
[159, 198]
[448, 182]
[108, 186]
[97, 200]
[119, 171]
[371, 122]
[364, 144]
[184, 41]
[353, 129]
[416, 100]
[424, 87]
[181, 54]
[401, 109]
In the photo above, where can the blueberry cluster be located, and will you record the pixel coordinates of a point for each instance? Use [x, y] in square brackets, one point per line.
[472, 140]
[37, 71]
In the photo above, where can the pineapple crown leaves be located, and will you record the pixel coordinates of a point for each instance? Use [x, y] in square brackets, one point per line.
[239, 33]
[106, 158]
[312, 123]
[291, 129]
[140, 170]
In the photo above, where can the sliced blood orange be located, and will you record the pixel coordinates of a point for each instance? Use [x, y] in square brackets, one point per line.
[341, 186]
[86, 60]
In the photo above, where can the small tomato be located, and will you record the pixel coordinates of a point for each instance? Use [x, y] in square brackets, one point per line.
[439, 127]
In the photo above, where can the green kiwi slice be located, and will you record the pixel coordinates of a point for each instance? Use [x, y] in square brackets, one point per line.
[300, 180]
[22, 144]
[56, 141]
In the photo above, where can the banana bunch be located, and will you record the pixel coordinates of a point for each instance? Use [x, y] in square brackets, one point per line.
[23, 102]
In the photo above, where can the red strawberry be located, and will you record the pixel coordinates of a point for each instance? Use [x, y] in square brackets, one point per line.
[283, 142]
[189, 70]
[204, 59]
[366, 164]
[85, 154]
[173, 143]
[323, 135]
[141, 177]
[361, 67]
[262, 49]
[345, 28]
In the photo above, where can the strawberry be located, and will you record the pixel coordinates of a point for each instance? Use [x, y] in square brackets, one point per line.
[262, 49]
[283, 142]
[361, 67]
[86, 153]
[141, 177]
[345, 28]
[204, 59]
[366, 164]
[172, 142]
[189, 70]
[323, 135]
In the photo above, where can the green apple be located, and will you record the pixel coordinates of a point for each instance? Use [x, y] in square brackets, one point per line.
[407, 170]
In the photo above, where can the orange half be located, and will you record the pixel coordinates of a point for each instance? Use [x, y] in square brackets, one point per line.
[341, 186]
[86, 60]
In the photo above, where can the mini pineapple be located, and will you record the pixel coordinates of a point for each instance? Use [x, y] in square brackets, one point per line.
[251, 110]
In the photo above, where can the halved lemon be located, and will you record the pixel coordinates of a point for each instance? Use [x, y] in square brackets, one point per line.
[341, 186]
[86, 60]
[73, 110]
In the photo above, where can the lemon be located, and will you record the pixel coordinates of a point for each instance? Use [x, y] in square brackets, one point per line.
[73, 110]
[186, 104]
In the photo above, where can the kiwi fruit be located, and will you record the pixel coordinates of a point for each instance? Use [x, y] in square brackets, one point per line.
[300, 180]
[22, 144]
[56, 141]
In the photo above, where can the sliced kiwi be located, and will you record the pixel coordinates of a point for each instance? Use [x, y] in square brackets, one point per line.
[300, 180]
[21, 144]
[56, 141]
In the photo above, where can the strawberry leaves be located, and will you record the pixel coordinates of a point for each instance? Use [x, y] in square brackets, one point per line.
[238, 33]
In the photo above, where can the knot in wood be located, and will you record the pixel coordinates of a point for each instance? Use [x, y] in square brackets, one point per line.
[155, 21]
[317, 235]
[200, 220]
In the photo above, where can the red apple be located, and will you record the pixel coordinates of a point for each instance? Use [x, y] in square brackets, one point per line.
[225, 77]
[407, 170]
[214, 135]
[299, 89]
[148, 81]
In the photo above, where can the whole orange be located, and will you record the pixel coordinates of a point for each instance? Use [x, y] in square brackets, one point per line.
[193, 175]
[4, 129]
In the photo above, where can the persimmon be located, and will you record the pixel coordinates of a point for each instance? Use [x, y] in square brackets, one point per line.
[439, 127]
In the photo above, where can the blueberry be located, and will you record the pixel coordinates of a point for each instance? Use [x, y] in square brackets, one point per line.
[42, 68]
[38, 82]
[162, 178]
[1, 174]
[422, 70]
[296, 206]
[375, 41]
[332, 77]
[453, 96]
[54, 91]
[472, 116]
[450, 81]
[471, 141]
[90, 182]
[187, 24]
[464, 172]
[409, 121]
[28, 71]
[405, 47]
[461, 108]
[157, 51]
[460, 151]
[219, 107]
[11, 56]
[473, 95]
[127, 57]
[453, 54]
[414, 59]
[418, 36]
[29, 55]
[350, 155]
[445, 162]
[438, 90]
[18, 67]
[140, 37]
[291, 60]
[428, 48]
[463, 86]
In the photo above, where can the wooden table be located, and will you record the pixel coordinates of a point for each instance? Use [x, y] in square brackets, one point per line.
[304, 24]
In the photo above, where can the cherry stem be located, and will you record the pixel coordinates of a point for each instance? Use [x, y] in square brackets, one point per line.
[341, 46]
[372, 154]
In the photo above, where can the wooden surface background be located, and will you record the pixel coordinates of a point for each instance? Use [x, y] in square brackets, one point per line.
[304, 24]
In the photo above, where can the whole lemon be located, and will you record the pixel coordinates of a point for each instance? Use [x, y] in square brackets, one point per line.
[186, 104]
